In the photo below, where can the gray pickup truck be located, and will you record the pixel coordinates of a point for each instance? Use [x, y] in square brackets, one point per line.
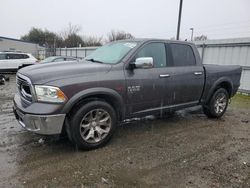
[119, 81]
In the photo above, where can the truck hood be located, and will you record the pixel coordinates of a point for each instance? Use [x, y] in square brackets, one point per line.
[48, 72]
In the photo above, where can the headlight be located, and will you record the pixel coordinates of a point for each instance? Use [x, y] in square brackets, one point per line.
[49, 94]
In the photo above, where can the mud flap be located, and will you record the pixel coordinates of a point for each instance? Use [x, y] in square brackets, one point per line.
[68, 130]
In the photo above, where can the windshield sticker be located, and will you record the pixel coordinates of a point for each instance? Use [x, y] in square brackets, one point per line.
[130, 45]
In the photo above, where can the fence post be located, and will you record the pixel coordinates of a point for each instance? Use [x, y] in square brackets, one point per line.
[202, 52]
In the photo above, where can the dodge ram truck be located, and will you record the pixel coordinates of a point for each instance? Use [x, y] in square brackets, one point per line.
[119, 81]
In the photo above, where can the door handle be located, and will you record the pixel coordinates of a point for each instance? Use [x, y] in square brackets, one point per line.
[164, 75]
[198, 73]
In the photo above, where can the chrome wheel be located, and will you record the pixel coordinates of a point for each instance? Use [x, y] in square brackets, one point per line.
[220, 103]
[95, 125]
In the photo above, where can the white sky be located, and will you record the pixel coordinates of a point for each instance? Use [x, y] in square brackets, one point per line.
[142, 18]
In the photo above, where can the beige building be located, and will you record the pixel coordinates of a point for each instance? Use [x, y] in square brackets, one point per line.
[10, 44]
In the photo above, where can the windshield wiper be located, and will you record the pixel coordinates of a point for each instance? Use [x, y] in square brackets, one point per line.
[94, 60]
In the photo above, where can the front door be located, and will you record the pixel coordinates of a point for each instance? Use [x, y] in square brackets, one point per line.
[144, 86]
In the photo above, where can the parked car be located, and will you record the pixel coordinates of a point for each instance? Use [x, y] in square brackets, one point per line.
[120, 81]
[58, 59]
[12, 61]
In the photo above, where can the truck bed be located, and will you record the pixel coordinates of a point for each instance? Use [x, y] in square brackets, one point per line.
[215, 74]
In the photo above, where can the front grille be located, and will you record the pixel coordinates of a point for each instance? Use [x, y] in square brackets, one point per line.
[24, 88]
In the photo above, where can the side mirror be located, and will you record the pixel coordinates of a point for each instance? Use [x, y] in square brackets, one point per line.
[144, 62]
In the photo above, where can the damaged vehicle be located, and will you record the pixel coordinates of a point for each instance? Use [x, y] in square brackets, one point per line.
[119, 81]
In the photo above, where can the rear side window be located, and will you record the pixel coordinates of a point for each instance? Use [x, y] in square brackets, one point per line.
[25, 56]
[15, 56]
[2, 56]
[182, 55]
[155, 50]
[70, 59]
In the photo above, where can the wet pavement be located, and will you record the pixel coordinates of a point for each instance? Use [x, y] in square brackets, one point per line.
[184, 150]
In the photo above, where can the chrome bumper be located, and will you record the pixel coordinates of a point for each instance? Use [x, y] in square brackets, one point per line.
[40, 124]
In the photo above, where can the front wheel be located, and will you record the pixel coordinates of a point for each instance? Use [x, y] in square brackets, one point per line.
[217, 105]
[93, 125]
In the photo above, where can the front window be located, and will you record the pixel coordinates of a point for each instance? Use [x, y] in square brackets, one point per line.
[58, 60]
[155, 50]
[111, 53]
[48, 60]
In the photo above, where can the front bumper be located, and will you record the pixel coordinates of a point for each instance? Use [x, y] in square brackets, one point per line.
[41, 124]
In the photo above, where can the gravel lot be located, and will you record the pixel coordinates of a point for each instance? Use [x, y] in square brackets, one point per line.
[185, 150]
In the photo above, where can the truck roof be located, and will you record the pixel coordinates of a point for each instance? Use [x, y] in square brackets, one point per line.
[156, 39]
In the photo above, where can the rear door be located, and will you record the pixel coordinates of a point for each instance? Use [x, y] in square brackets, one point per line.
[144, 88]
[185, 80]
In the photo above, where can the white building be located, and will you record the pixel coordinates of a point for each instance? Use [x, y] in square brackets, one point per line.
[10, 44]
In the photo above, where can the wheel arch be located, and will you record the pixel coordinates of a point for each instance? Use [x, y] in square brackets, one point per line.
[225, 83]
[105, 94]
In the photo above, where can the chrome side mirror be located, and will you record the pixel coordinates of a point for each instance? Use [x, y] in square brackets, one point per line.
[144, 62]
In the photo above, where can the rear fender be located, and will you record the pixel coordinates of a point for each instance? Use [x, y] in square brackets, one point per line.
[217, 84]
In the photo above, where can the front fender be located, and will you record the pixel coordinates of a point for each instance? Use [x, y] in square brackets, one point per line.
[92, 92]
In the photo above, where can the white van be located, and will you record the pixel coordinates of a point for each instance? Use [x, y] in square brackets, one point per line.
[12, 61]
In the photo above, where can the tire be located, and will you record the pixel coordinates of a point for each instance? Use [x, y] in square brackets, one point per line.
[217, 105]
[92, 125]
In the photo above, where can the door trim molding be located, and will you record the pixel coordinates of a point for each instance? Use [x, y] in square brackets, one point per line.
[176, 106]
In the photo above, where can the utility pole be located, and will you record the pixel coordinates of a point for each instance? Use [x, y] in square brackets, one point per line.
[192, 33]
[179, 21]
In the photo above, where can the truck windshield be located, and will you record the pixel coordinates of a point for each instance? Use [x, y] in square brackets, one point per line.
[111, 53]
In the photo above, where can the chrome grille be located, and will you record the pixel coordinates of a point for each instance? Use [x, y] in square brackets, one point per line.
[24, 88]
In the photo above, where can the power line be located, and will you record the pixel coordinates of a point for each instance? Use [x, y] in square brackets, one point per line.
[203, 31]
[223, 24]
[222, 28]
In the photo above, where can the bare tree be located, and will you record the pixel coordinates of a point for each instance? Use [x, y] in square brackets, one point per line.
[73, 40]
[70, 30]
[118, 35]
[92, 41]
[70, 36]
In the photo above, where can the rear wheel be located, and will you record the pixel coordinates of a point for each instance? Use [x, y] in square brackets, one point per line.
[217, 105]
[93, 125]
